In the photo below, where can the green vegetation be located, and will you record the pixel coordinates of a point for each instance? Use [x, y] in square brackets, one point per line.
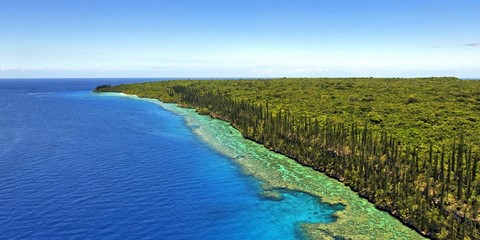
[411, 146]
[100, 87]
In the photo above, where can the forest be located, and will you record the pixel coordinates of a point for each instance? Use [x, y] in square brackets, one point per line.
[410, 146]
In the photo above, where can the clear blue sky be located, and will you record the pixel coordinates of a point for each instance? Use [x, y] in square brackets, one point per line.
[245, 38]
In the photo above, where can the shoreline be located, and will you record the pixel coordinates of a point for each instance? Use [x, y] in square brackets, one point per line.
[360, 219]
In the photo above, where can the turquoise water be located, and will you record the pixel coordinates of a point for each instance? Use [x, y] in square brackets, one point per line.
[80, 165]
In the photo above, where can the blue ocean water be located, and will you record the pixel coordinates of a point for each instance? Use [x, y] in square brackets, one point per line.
[79, 165]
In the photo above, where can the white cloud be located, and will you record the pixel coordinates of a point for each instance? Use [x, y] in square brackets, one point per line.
[475, 44]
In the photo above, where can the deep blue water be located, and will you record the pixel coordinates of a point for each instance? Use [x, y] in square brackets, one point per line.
[79, 165]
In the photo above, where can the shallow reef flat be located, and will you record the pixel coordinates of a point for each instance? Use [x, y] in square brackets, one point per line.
[359, 220]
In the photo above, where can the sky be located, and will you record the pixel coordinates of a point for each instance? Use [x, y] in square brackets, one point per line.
[243, 38]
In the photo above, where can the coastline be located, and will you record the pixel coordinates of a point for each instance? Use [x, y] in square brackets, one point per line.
[359, 220]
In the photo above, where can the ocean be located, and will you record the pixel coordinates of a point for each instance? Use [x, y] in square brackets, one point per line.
[80, 165]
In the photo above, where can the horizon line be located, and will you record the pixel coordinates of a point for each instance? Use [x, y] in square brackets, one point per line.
[203, 78]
